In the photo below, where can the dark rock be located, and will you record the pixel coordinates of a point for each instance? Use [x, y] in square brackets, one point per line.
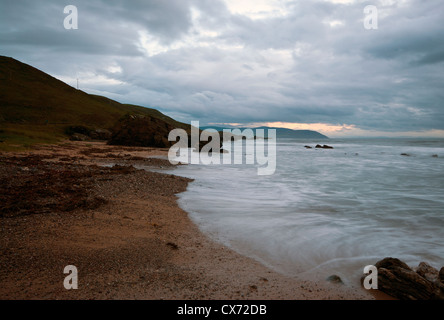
[398, 280]
[405, 154]
[100, 134]
[79, 137]
[173, 246]
[147, 131]
[435, 156]
[95, 134]
[335, 279]
[318, 146]
[77, 129]
[308, 147]
[428, 272]
[141, 131]
[441, 275]
[391, 263]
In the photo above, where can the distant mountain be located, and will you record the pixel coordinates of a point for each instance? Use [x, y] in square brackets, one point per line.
[282, 132]
[36, 107]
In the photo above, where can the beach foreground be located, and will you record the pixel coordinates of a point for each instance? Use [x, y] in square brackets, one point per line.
[85, 204]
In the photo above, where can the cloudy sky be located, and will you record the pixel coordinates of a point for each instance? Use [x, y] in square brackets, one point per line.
[298, 64]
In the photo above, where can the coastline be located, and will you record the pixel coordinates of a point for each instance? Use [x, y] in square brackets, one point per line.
[128, 237]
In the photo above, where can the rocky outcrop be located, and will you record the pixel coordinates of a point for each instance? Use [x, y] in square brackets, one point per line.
[441, 275]
[82, 133]
[79, 137]
[398, 280]
[141, 131]
[318, 146]
[428, 272]
[147, 131]
[100, 134]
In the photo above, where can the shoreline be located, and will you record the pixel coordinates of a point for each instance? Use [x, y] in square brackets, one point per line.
[127, 236]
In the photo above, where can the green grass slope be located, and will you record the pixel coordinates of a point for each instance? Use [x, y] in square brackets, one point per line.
[37, 108]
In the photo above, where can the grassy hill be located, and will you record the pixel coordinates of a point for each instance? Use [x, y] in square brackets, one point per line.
[37, 108]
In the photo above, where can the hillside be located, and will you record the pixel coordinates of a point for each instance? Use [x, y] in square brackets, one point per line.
[36, 107]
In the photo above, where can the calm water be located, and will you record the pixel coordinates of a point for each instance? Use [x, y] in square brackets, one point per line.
[327, 212]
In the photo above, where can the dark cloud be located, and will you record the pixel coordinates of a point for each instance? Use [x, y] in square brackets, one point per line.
[311, 62]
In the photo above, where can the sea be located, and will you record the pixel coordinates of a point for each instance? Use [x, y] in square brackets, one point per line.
[326, 211]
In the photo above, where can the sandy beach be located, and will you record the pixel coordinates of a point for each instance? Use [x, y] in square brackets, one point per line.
[90, 205]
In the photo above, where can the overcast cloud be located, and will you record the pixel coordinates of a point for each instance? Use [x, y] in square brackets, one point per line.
[247, 61]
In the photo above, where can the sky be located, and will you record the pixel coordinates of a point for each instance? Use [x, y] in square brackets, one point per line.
[296, 64]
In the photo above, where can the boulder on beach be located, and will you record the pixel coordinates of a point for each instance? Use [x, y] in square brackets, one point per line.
[428, 272]
[398, 280]
[100, 134]
[79, 137]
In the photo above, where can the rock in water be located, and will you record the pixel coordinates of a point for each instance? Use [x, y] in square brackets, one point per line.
[335, 279]
[318, 146]
[397, 279]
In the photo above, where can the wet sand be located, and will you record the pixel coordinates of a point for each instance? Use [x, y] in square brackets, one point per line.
[123, 230]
